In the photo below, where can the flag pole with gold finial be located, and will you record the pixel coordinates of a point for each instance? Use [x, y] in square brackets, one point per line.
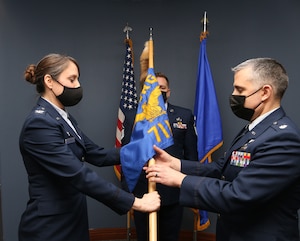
[197, 224]
[152, 185]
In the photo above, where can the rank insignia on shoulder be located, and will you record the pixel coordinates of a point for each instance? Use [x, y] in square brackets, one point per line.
[39, 111]
[240, 158]
[283, 126]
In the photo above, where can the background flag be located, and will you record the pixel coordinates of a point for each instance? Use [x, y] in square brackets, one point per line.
[151, 127]
[128, 100]
[207, 117]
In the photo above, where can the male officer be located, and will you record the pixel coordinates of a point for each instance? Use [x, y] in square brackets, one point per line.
[185, 147]
[255, 188]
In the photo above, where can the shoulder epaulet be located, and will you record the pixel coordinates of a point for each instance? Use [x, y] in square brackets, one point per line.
[280, 125]
[40, 110]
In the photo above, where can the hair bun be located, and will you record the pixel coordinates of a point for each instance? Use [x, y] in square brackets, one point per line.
[29, 74]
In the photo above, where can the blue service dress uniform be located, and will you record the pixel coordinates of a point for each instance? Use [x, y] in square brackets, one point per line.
[255, 187]
[59, 180]
[185, 147]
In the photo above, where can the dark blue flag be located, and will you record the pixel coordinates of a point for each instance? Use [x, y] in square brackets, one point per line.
[207, 118]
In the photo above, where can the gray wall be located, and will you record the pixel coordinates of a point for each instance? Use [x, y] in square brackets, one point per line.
[92, 32]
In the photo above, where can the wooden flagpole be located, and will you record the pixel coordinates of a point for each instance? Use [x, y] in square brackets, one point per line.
[152, 185]
[152, 215]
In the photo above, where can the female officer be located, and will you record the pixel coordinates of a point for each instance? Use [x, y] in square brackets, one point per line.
[54, 152]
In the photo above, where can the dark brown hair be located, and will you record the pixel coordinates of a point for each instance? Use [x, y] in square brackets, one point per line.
[160, 74]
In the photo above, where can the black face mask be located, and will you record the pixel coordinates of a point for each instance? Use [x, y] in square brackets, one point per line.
[164, 95]
[70, 96]
[237, 106]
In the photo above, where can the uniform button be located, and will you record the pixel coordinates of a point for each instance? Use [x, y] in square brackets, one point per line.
[82, 159]
[222, 177]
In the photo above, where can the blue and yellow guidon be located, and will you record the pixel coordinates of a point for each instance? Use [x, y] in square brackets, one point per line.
[151, 127]
[152, 109]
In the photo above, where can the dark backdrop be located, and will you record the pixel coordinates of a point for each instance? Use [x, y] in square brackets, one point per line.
[92, 32]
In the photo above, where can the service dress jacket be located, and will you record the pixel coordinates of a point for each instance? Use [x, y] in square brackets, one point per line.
[255, 188]
[55, 160]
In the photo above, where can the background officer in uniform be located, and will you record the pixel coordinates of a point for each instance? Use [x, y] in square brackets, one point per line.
[256, 186]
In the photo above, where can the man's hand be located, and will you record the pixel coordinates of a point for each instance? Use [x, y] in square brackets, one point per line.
[165, 159]
[164, 175]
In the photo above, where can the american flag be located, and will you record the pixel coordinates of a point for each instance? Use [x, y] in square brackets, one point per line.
[128, 100]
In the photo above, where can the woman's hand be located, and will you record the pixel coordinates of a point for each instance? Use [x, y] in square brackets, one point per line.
[150, 202]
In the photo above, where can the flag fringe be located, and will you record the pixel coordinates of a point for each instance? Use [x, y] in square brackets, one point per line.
[208, 155]
[117, 169]
[203, 226]
[144, 62]
[203, 35]
[197, 221]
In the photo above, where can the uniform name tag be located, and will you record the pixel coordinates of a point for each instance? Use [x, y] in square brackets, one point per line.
[240, 158]
[70, 140]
